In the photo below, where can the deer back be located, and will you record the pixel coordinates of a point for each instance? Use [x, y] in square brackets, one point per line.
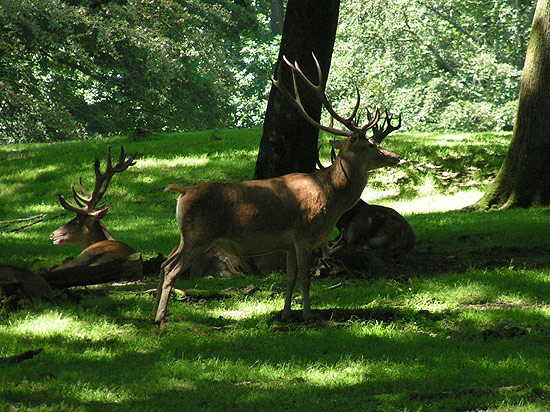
[97, 254]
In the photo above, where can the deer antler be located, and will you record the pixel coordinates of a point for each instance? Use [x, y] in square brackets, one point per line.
[87, 202]
[332, 157]
[380, 132]
[319, 90]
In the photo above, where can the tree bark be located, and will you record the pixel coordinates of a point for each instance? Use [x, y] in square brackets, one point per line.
[289, 143]
[524, 178]
[276, 17]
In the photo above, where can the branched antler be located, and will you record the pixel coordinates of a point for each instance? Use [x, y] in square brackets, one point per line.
[87, 201]
[319, 90]
[381, 131]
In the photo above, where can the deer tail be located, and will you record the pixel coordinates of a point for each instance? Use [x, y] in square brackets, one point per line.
[176, 187]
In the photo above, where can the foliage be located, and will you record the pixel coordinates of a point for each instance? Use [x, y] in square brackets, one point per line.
[432, 61]
[461, 325]
[70, 69]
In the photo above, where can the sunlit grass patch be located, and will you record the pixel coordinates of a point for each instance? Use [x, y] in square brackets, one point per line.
[178, 161]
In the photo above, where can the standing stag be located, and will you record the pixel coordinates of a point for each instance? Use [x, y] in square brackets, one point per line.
[86, 227]
[294, 213]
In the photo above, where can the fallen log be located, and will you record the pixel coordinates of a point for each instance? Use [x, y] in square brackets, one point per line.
[22, 283]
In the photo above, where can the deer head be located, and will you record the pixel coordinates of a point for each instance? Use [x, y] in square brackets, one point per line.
[86, 228]
[357, 148]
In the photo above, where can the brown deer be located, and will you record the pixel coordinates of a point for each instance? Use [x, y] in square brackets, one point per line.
[377, 227]
[294, 213]
[86, 227]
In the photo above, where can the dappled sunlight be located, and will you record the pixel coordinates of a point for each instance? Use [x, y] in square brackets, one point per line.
[431, 203]
[179, 161]
[452, 139]
[44, 325]
[381, 339]
[244, 309]
[55, 323]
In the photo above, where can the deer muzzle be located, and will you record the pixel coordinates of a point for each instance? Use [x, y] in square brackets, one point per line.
[58, 237]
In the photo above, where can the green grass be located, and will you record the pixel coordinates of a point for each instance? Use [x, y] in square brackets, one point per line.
[423, 334]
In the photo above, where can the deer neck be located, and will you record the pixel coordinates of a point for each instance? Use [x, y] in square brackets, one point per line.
[96, 233]
[348, 178]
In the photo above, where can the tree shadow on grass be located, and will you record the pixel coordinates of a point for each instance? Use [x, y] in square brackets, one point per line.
[192, 368]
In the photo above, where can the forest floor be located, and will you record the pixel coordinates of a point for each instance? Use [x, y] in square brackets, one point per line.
[462, 323]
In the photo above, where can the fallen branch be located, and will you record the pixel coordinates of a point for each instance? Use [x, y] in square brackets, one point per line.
[21, 357]
[467, 391]
[21, 219]
[37, 219]
[203, 294]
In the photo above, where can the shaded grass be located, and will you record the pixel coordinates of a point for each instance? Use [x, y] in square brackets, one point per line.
[411, 337]
[104, 354]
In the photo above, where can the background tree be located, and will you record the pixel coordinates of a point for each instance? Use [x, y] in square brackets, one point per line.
[277, 14]
[71, 69]
[524, 178]
[76, 68]
[289, 143]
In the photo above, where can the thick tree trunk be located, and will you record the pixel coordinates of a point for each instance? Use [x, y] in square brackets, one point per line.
[524, 178]
[289, 143]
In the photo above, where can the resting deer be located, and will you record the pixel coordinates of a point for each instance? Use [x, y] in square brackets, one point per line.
[294, 213]
[377, 227]
[86, 228]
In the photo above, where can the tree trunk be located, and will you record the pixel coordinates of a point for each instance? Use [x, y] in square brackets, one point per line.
[289, 143]
[524, 178]
[276, 18]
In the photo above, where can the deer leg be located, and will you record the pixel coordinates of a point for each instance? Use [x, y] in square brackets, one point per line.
[291, 267]
[177, 265]
[303, 255]
[173, 255]
[165, 288]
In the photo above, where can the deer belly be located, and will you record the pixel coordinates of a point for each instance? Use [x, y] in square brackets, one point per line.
[252, 245]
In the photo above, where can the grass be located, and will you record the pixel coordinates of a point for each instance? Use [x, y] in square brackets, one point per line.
[460, 325]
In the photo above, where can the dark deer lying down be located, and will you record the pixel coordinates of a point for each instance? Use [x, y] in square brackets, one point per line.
[378, 227]
[86, 227]
[294, 213]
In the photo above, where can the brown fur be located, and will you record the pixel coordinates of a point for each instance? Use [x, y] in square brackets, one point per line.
[377, 227]
[86, 228]
[294, 213]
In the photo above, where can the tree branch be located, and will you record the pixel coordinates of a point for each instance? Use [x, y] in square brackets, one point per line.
[445, 64]
[449, 19]
[21, 357]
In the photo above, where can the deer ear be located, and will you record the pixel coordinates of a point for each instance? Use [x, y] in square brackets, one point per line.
[99, 214]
